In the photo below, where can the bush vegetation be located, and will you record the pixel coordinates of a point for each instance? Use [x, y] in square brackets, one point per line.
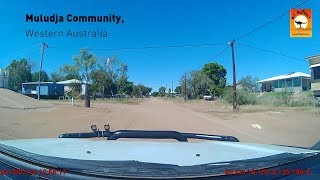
[243, 97]
[283, 98]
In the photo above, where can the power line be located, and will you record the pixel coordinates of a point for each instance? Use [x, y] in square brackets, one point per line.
[23, 52]
[269, 22]
[152, 47]
[187, 45]
[27, 49]
[205, 44]
[216, 56]
[272, 52]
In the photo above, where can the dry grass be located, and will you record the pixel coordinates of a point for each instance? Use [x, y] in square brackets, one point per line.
[261, 107]
[80, 102]
[120, 100]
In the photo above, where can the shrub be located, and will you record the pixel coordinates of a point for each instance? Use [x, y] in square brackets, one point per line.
[300, 103]
[155, 94]
[285, 97]
[243, 97]
[227, 95]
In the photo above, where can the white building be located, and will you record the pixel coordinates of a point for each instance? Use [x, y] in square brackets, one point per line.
[314, 62]
[296, 81]
[4, 78]
[67, 84]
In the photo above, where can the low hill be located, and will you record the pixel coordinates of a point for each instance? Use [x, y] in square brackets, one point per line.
[13, 100]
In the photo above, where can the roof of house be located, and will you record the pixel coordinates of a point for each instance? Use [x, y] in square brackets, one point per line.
[314, 65]
[38, 83]
[72, 81]
[313, 57]
[286, 76]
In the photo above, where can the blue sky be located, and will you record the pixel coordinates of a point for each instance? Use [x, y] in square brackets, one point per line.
[161, 23]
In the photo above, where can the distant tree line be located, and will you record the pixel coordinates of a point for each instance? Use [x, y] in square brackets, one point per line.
[210, 80]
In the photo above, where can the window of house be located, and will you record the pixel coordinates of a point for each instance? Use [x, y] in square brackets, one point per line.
[289, 82]
[281, 83]
[316, 72]
[296, 82]
[275, 84]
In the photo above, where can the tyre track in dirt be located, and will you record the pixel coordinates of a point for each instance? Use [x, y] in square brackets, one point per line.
[157, 114]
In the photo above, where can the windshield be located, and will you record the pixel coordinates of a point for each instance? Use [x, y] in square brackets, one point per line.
[162, 71]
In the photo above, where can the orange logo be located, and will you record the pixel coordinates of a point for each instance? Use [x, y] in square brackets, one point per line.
[300, 23]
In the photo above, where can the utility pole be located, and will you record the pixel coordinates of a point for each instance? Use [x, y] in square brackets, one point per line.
[234, 101]
[172, 91]
[166, 90]
[185, 86]
[44, 45]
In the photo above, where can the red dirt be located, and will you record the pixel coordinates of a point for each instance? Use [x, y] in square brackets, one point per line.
[285, 127]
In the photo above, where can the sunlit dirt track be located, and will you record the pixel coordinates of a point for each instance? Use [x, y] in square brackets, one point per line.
[285, 127]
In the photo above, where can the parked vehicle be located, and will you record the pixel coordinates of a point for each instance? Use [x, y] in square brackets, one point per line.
[207, 97]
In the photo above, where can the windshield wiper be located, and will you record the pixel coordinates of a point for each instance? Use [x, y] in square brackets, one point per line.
[144, 134]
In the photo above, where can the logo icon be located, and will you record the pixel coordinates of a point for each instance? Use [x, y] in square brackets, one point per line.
[300, 23]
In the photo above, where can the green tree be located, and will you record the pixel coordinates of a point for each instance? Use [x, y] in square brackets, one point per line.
[184, 85]
[99, 80]
[146, 91]
[20, 72]
[162, 91]
[110, 66]
[248, 83]
[85, 63]
[155, 94]
[201, 83]
[198, 84]
[136, 91]
[123, 69]
[122, 81]
[44, 76]
[68, 72]
[178, 90]
[217, 73]
[55, 77]
[141, 91]
[128, 88]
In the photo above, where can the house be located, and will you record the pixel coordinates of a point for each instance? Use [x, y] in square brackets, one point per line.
[314, 62]
[296, 81]
[47, 89]
[68, 83]
[4, 78]
[172, 92]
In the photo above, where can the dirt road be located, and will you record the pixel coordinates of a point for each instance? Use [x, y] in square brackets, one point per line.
[278, 127]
